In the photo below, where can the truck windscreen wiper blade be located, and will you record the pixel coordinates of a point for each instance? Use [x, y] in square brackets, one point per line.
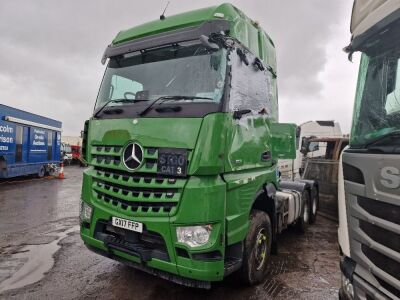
[114, 101]
[164, 98]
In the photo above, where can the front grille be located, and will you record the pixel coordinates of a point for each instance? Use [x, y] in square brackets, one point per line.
[382, 241]
[382, 236]
[388, 287]
[139, 193]
[109, 156]
[373, 215]
[383, 262]
[380, 209]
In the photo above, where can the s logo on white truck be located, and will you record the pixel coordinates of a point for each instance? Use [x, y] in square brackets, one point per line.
[390, 177]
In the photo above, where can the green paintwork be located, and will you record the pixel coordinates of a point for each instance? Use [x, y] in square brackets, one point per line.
[225, 171]
[283, 140]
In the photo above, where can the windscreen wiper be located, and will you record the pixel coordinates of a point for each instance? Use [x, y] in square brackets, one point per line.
[164, 98]
[114, 101]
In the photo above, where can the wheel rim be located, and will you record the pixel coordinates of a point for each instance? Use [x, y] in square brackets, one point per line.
[306, 213]
[261, 248]
[314, 206]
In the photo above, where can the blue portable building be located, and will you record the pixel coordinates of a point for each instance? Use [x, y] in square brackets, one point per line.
[29, 143]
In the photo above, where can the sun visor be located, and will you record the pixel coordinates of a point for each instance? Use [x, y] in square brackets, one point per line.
[169, 37]
[370, 18]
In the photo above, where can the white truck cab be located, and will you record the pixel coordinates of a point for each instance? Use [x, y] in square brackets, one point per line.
[369, 177]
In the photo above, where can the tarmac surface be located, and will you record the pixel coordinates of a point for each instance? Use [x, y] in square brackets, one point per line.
[43, 257]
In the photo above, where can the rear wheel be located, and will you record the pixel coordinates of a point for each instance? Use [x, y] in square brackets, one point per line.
[257, 248]
[304, 219]
[313, 206]
[41, 172]
[51, 171]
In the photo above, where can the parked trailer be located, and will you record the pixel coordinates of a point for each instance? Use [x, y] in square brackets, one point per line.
[29, 143]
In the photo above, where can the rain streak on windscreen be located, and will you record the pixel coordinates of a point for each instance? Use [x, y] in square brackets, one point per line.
[186, 69]
[377, 107]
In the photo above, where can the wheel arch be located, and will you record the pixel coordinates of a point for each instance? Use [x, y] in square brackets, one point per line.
[265, 201]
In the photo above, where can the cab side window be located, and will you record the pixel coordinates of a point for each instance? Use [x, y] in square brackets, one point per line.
[249, 84]
[392, 105]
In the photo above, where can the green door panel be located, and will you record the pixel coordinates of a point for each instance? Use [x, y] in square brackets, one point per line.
[242, 188]
[248, 138]
[283, 140]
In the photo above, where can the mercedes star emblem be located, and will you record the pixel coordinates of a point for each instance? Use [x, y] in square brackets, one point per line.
[132, 156]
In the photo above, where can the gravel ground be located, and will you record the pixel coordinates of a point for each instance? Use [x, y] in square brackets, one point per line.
[43, 257]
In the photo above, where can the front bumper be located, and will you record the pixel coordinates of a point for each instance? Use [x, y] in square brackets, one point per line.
[157, 251]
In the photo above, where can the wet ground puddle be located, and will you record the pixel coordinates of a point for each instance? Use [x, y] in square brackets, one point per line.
[36, 261]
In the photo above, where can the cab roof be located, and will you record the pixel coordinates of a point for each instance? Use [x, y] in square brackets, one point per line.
[247, 31]
[186, 19]
[368, 15]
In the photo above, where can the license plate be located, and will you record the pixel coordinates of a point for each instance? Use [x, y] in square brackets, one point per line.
[172, 162]
[127, 224]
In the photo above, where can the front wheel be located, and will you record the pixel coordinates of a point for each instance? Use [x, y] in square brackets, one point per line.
[257, 248]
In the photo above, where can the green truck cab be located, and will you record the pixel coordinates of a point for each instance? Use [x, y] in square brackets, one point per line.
[183, 147]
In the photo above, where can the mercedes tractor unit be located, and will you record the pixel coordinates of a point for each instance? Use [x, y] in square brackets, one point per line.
[369, 181]
[182, 150]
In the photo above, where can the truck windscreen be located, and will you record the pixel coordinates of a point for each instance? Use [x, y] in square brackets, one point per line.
[187, 69]
[377, 105]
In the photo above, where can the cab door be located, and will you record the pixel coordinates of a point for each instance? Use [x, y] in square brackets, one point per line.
[19, 130]
[51, 140]
[21, 143]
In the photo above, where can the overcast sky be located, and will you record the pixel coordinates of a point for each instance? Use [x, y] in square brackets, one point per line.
[50, 53]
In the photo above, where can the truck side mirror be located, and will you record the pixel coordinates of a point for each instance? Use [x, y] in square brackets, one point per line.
[313, 146]
[237, 114]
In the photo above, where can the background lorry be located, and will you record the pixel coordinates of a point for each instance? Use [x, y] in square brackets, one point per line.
[66, 153]
[183, 148]
[369, 182]
[292, 169]
[319, 144]
[72, 154]
[29, 144]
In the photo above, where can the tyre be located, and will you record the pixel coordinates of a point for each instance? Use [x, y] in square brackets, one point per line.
[313, 206]
[41, 172]
[257, 248]
[51, 171]
[304, 218]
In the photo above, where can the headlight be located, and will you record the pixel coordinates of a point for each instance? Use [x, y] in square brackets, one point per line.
[347, 287]
[85, 212]
[194, 236]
